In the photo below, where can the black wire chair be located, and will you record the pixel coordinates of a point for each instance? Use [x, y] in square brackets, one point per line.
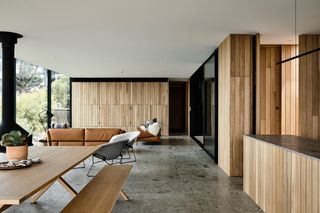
[131, 137]
[108, 153]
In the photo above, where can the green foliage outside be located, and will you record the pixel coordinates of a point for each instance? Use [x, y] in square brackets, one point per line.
[28, 77]
[60, 92]
[29, 105]
[32, 96]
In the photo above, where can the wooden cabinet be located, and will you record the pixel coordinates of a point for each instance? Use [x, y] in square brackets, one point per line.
[123, 105]
[280, 180]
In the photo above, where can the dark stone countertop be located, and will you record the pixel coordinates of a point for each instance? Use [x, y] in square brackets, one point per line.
[298, 144]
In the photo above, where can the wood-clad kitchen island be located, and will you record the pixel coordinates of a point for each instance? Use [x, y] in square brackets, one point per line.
[281, 173]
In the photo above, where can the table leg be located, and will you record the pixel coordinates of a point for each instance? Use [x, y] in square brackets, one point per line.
[123, 195]
[62, 182]
[41, 192]
[3, 207]
[67, 187]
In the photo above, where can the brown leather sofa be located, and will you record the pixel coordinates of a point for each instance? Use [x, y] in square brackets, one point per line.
[147, 137]
[81, 137]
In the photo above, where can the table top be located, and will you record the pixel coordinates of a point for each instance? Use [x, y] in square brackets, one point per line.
[297, 144]
[18, 185]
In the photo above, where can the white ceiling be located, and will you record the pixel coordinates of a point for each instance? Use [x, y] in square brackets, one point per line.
[144, 38]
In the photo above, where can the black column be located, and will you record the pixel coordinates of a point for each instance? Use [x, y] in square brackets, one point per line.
[49, 79]
[8, 40]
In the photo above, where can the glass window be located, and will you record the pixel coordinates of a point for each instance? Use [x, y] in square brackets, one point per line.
[60, 97]
[209, 107]
[31, 92]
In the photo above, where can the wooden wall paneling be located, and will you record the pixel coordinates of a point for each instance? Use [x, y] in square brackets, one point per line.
[289, 91]
[161, 112]
[115, 93]
[76, 104]
[269, 91]
[309, 87]
[140, 114]
[89, 116]
[258, 84]
[316, 89]
[280, 180]
[137, 93]
[85, 104]
[235, 80]
[90, 104]
[224, 105]
[125, 93]
[105, 92]
[150, 100]
[240, 98]
[117, 116]
[123, 105]
[262, 109]
[115, 100]
[164, 93]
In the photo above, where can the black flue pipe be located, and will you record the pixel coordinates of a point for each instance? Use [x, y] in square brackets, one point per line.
[8, 123]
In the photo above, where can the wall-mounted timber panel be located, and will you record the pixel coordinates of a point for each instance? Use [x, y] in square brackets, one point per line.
[85, 104]
[224, 106]
[309, 89]
[235, 104]
[269, 91]
[289, 91]
[277, 91]
[280, 180]
[123, 105]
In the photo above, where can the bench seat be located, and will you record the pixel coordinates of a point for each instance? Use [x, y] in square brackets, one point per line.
[101, 193]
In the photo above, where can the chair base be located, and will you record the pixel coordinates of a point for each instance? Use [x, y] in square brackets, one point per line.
[99, 161]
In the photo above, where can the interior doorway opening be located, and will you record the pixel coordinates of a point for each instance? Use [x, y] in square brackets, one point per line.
[178, 108]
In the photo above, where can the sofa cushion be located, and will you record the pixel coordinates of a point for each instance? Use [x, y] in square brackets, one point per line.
[101, 134]
[66, 134]
[154, 128]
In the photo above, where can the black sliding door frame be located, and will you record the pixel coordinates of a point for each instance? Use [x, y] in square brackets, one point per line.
[195, 128]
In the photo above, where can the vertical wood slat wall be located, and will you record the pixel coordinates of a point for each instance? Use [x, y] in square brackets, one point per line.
[235, 105]
[123, 105]
[279, 180]
[277, 91]
[289, 91]
[309, 89]
[269, 91]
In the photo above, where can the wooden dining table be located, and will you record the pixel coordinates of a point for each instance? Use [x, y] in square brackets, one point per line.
[18, 185]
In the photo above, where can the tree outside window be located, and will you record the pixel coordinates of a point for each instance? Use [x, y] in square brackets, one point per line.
[31, 91]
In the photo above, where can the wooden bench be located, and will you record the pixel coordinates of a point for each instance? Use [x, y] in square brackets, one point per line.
[101, 193]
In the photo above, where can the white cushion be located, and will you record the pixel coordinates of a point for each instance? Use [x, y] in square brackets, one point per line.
[143, 128]
[154, 129]
[130, 136]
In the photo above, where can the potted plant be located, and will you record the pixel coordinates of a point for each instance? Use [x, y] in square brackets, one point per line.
[16, 145]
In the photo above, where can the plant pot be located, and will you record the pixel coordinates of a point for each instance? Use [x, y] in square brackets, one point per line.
[16, 153]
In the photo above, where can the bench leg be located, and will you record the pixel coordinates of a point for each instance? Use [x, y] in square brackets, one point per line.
[67, 187]
[41, 192]
[123, 195]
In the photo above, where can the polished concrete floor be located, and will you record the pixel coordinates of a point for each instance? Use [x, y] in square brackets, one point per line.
[176, 176]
